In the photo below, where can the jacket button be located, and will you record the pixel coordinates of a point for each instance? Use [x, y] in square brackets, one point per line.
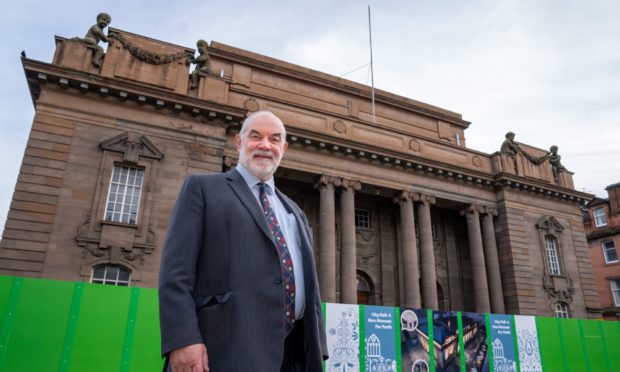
[278, 281]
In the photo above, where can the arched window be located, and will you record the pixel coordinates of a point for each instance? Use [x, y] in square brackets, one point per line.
[111, 275]
[562, 310]
[365, 290]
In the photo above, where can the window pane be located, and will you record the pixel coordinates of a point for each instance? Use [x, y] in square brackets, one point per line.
[123, 275]
[114, 275]
[111, 273]
[599, 217]
[615, 288]
[552, 255]
[362, 218]
[561, 310]
[124, 194]
[609, 250]
[99, 272]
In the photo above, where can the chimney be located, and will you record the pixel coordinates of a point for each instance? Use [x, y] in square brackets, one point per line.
[613, 191]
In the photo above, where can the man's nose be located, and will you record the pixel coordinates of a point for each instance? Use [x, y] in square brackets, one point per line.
[264, 144]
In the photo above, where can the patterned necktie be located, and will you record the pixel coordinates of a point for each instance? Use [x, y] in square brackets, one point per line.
[286, 263]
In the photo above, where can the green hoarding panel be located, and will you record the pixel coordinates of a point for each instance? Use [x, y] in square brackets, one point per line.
[65, 326]
[362, 338]
[12, 292]
[551, 353]
[39, 325]
[100, 329]
[594, 347]
[572, 342]
[6, 282]
[145, 355]
[611, 334]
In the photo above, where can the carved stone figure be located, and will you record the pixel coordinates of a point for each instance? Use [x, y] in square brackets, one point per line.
[95, 35]
[203, 63]
[554, 160]
[509, 146]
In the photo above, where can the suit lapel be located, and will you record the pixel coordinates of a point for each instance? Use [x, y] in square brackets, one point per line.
[243, 192]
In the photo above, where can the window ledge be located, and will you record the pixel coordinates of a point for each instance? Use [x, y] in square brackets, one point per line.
[121, 224]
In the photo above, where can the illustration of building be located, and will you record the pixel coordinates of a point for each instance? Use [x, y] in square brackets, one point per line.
[501, 363]
[404, 213]
[375, 361]
[601, 219]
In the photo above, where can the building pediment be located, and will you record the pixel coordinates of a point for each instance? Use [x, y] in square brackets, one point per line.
[132, 146]
[550, 224]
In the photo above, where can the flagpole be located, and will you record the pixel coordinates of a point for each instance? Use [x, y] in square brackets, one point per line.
[372, 75]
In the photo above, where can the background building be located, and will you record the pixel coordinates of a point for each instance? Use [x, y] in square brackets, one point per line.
[601, 218]
[403, 212]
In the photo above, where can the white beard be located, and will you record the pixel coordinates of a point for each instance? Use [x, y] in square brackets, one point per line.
[261, 168]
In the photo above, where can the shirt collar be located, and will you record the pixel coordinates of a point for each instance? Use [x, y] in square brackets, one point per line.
[252, 180]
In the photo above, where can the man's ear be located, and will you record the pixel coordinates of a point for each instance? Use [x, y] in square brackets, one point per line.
[238, 142]
[285, 148]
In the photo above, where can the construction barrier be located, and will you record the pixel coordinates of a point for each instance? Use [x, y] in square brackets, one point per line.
[52, 325]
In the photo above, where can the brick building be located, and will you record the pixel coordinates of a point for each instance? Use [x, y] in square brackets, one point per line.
[403, 212]
[601, 219]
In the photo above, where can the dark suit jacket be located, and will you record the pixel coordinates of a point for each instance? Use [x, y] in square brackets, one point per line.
[220, 279]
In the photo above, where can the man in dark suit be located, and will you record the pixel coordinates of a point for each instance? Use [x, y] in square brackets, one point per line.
[237, 287]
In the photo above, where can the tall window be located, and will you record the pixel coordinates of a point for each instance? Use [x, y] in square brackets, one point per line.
[561, 310]
[124, 194]
[615, 290]
[551, 246]
[609, 251]
[111, 275]
[599, 217]
[362, 219]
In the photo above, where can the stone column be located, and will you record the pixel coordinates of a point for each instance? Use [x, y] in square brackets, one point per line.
[427, 253]
[327, 238]
[492, 261]
[409, 251]
[481, 289]
[348, 254]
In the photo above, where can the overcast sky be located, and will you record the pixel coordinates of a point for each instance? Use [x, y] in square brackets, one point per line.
[547, 70]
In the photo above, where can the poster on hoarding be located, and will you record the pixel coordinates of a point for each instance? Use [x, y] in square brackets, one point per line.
[502, 342]
[475, 346]
[380, 339]
[527, 342]
[446, 341]
[343, 337]
[414, 340]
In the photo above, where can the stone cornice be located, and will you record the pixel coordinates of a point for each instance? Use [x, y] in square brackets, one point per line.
[39, 74]
[512, 182]
[435, 169]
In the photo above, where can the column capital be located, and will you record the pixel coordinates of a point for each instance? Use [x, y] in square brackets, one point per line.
[426, 199]
[325, 180]
[473, 209]
[354, 185]
[406, 196]
[490, 211]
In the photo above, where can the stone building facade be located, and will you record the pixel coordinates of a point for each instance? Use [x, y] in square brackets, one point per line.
[403, 212]
[601, 219]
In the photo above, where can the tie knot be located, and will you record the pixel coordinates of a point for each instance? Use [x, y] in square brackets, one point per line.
[261, 187]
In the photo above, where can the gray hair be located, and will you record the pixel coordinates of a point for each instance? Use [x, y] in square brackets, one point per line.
[248, 119]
